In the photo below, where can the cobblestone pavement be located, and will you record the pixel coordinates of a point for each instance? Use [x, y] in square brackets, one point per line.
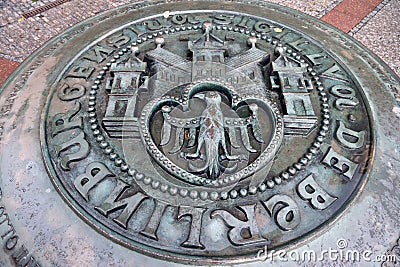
[19, 37]
[311, 7]
[381, 34]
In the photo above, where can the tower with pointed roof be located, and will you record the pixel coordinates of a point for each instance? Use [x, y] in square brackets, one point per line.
[124, 85]
[243, 71]
[288, 77]
[208, 55]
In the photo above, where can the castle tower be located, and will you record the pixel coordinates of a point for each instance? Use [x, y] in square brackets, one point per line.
[288, 77]
[208, 55]
[124, 84]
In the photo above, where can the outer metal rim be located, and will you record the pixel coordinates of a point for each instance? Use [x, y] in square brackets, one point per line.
[373, 118]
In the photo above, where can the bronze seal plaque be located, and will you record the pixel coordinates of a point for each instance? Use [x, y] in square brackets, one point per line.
[195, 132]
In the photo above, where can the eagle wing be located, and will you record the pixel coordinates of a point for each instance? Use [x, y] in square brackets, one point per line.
[181, 124]
[232, 124]
[188, 126]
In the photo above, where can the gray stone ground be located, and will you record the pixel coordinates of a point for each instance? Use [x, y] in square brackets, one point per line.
[310, 7]
[20, 37]
[381, 34]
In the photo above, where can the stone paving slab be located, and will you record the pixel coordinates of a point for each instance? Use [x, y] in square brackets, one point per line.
[381, 34]
[311, 7]
[20, 37]
[11, 10]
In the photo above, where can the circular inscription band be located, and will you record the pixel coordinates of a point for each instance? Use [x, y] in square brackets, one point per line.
[196, 132]
[207, 134]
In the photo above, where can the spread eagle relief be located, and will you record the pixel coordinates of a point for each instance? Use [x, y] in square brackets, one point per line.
[209, 131]
[173, 128]
[247, 82]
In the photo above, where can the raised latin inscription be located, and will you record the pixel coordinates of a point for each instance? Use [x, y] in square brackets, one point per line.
[337, 161]
[243, 227]
[284, 210]
[310, 190]
[95, 172]
[350, 138]
[19, 254]
[187, 124]
[128, 204]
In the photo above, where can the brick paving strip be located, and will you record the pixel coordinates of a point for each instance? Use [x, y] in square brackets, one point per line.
[6, 68]
[348, 16]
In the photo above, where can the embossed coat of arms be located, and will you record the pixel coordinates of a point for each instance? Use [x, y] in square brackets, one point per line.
[177, 126]
[212, 113]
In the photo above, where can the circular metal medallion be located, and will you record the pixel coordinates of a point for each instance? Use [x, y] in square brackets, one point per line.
[196, 133]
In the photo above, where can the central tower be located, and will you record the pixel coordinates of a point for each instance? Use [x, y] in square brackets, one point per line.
[208, 55]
